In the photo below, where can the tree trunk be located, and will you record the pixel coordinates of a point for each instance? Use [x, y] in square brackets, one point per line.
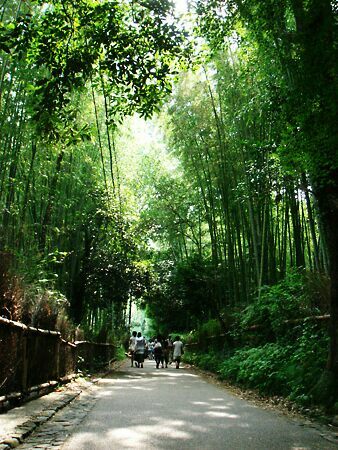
[51, 196]
[327, 197]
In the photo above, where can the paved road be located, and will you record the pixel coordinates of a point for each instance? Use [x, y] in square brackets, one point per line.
[176, 409]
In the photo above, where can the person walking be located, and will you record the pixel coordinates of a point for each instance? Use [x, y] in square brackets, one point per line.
[158, 353]
[151, 350]
[139, 350]
[131, 349]
[178, 351]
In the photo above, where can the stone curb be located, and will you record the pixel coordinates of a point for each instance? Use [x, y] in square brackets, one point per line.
[24, 430]
[10, 401]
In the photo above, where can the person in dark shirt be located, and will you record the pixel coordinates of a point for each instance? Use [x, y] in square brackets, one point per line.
[158, 353]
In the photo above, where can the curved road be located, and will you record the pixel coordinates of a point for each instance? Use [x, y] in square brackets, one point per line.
[176, 409]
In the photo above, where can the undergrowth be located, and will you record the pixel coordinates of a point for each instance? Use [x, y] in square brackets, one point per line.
[284, 359]
[279, 368]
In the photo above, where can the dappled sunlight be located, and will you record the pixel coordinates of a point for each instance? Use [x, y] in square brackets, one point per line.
[105, 394]
[199, 428]
[300, 448]
[220, 407]
[160, 404]
[116, 388]
[106, 381]
[172, 374]
[167, 409]
[137, 437]
[139, 388]
[221, 414]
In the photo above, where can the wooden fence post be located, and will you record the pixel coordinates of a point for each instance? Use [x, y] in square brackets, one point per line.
[57, 356]
[24, 361]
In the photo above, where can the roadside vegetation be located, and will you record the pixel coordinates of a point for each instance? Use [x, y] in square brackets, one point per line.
[268, 349]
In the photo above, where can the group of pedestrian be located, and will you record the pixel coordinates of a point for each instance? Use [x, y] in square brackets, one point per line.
[137, 348]
[164, 350]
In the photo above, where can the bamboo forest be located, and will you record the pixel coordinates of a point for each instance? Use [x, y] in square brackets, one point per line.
[173, 166]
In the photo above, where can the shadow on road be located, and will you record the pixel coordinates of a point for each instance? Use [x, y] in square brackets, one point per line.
[175, 409]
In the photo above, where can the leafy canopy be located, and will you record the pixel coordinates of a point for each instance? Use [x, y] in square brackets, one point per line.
[130, 47]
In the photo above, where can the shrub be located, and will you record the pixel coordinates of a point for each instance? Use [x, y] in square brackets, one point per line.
[206, 361]
[306, 361]
[280, 358]
[283, 301]
[210, 328]
[259, 368]
[276, 368]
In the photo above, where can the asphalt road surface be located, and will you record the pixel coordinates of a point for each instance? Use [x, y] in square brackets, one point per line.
[153, 408]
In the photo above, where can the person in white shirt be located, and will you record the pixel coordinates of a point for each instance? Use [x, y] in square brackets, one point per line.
[131, 349]
[139, 350]
[178, 351]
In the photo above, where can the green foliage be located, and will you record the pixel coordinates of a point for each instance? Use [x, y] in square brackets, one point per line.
[307, 361]
[120, 354]
[210, 328]
[181, 296]
[130, 44]
[204, 331]
[276, 304]
[42, 306]
[289, 368]
[207, 361]
[260, 368]
[71, 72]
[295, 44]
